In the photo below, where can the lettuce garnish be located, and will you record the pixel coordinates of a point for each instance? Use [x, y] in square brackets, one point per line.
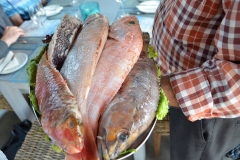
[128, 151]
[32, 72]
[162, 109]
[151, 52]
[57, 149]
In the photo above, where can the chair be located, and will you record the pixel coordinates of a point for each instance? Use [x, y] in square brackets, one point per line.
[7, 119]
[35, 147]
[161, 128]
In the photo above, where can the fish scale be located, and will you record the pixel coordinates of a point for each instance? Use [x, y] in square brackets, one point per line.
[78, 70]
[62, 40]
[120, 53]
[132, 109]
[58, 107]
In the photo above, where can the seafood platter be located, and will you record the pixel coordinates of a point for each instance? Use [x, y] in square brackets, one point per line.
[94, 88]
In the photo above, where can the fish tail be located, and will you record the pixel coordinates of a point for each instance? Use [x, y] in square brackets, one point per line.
[90, 149]
[77, 156]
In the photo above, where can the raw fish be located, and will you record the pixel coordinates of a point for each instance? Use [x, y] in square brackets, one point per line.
[132, 109]
[120, 53]
[61, 118]
[62, 40]
[78, 70]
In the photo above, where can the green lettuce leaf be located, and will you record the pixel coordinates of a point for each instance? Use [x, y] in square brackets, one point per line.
[57, 149]
[151, 52]
[128, 151]
[162, 109]
[32, 72]
[34, 102]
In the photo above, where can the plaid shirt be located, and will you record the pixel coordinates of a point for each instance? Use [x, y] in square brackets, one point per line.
[198, 45]
[13, 7]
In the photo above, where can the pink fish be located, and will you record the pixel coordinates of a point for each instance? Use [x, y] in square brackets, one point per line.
[120, 53]
[132, 110]
[61, 118]
[78, 70]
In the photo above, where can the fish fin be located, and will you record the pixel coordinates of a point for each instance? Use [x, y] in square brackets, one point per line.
[77, 156]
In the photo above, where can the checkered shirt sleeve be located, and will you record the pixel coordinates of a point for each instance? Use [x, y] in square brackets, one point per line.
[198, 45]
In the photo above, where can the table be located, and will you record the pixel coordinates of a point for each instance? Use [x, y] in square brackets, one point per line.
[73, 10]
[13, 85]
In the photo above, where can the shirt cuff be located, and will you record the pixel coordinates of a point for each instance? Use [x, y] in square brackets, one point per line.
[193, 93]
[4, 48]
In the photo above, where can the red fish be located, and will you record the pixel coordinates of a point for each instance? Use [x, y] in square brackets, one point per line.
[132, 110]
[120, 53]
[61, 118]
[78, 70]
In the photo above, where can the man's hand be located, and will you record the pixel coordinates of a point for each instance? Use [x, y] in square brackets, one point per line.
[11, 34]
[167, 88]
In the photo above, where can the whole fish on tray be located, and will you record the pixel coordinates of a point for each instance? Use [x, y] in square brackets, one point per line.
[80, 64]
[120, 53]
[78, 70]
[132, 109]
[61, 118]
[62, 40]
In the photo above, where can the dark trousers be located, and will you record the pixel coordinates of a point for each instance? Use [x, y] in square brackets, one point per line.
[207, 139]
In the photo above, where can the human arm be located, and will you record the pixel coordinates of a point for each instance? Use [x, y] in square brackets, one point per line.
[11, 12]
[44, 2]
[213, 89]
[11, 34]
[201, 55]
[16, 20]
[167, 88]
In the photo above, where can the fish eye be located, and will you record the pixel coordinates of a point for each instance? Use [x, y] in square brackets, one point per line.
[70, 124]
[131, 22]
[123, 135]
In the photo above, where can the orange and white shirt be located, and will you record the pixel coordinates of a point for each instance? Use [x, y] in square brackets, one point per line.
[198, 45]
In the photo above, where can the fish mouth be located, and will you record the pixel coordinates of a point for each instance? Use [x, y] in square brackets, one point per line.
[102, 148]
[73, 149]
[104, 153]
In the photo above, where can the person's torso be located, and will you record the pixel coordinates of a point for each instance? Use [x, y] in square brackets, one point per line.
[184, 32]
